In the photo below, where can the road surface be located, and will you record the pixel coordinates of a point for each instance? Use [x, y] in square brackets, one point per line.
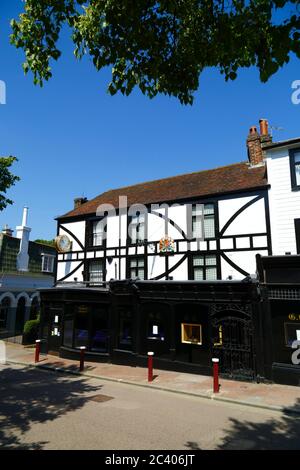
[47, 410]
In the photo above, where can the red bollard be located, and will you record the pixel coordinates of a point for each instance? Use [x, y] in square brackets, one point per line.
[37, 350]
[215, 361]
[82, 350]
[150, 366]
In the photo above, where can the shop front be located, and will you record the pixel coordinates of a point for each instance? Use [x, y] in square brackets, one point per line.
[185, 324]
[280, 283]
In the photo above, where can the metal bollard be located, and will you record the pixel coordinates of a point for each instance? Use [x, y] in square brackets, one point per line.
[82, 351]
[37, 350]
[150, 366]
[215, 361]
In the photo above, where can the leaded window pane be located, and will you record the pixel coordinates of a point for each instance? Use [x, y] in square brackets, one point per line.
[209, 209]
[198, 260]
[197, 210]
[141, 273]
[209, 226]
[98, 231]
[198, 274]
[96, 271]
[197, 228]
[211, 274]
[210, 260]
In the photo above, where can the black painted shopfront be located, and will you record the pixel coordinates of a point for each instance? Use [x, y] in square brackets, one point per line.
[250, 325]
[185, 324]
[280, 285]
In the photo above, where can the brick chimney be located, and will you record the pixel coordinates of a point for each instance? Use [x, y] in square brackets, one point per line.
[78, 201]
[255, 142]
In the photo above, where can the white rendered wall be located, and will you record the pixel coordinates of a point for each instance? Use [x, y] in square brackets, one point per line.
[284, 203]
[244, 259]
[250, 220]
[78, 229]
[181, 272]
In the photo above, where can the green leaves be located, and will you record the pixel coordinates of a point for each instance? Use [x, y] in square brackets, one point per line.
[7, 179]
[160, 46]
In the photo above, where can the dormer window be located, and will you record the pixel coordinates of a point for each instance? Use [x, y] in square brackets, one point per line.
[47, 263]
[295, 169]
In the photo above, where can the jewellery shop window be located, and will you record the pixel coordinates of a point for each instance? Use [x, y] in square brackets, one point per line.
[191, 333]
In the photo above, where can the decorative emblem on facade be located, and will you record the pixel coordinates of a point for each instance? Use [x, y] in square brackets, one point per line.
[63, 243]
[166, 246]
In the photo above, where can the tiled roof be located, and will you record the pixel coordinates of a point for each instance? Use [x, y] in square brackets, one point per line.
[230, 178]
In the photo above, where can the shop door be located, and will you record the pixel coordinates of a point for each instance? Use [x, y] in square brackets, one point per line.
[232, 343]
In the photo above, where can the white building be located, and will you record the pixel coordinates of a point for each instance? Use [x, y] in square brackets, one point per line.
[283, 167]
[232, 226]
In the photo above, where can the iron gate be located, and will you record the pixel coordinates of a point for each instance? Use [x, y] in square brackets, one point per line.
[232, 342]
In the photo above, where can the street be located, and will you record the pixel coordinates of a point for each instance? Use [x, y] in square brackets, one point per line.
[47, 410]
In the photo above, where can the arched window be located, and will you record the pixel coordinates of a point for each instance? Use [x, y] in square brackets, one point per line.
[4, 311]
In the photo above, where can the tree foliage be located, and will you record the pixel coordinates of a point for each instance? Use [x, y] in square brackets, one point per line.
[45, 242]
[7, 179]
[161, 46]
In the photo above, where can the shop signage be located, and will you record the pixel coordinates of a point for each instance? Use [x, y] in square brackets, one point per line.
[294, 316]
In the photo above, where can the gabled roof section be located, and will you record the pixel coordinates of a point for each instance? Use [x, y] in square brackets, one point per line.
[226, 179]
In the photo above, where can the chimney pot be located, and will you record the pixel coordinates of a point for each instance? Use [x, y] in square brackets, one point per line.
[253, 130]
[264, 127]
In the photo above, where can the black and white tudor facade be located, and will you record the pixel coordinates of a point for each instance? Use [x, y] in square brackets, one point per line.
[162, 265]
[122, 245]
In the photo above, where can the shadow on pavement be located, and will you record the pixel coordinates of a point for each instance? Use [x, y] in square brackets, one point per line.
[276, 433]
[29, 396]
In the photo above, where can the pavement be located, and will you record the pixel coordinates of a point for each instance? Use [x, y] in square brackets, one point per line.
[282, 398]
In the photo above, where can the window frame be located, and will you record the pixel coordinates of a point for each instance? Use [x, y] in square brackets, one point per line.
[204, 266]
[129, 268]
[205, 216]
[186, 341]
[50, 257]
[88, 272]
[292, 154]
[89, 238]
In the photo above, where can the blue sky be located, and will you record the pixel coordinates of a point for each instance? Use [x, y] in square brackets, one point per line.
[73, 139]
